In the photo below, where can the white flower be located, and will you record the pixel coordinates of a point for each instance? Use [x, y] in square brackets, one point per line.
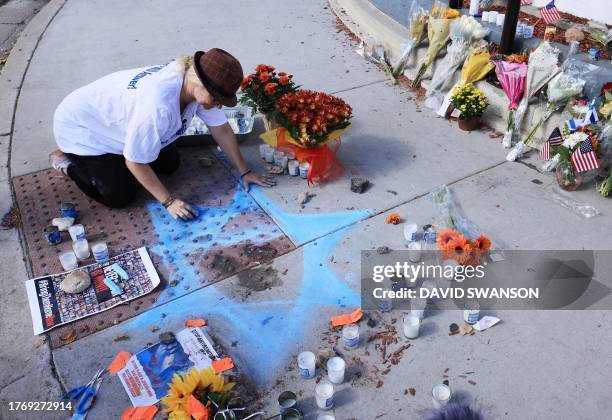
[563, 87]
[574, 139]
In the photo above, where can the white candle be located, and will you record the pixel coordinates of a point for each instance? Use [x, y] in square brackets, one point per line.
[485, 16]
[68, 261]
[350, 336]
[324, 393]
[81, 249]
[474, 5]
[493, 16]
[294, 167]
[306, 364]
[411, 326]
[335, 369]
[440, 395]
[500, 19]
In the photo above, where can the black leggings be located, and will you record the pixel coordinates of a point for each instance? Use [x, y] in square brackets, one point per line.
[107, 179]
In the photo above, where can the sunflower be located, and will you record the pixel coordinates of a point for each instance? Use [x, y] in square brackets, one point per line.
[446, 236]
[197, 383]
[459, 250]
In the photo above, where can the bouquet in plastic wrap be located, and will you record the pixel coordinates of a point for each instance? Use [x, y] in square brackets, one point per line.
[512, 77]
[560, 90]
[476, 66]
[311, 122]
[542, 67]
[417, 29]
[463, 33]
[438, 32]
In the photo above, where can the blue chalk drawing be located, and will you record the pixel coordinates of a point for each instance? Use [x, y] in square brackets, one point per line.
[264, 329]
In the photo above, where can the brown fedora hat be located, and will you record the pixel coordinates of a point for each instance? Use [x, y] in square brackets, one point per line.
[220, 73]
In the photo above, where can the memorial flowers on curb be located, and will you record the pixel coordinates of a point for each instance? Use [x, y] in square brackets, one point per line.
[262, 88]
[464, 32]
[196, 394]
[469, 100]
[512, 77]
[417, 29]
[438, 32]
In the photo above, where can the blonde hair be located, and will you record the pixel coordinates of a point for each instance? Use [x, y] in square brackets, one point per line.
[185, 63]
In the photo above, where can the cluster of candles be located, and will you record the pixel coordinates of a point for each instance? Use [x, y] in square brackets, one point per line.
[496, 18]
[80, 249]
[284, 160]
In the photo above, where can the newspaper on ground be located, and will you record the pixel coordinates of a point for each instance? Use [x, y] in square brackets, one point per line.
[147, 374]
[51, 307]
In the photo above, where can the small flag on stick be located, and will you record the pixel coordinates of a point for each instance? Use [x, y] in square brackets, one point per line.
[554, 139]
[550, 13]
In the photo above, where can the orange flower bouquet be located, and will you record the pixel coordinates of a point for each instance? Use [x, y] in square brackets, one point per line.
[311, 124]
[262, 88]
[454, 246]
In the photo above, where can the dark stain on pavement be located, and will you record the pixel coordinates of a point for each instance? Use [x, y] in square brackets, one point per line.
[259, 279]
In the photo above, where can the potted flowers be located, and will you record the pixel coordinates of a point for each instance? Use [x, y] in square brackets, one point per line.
[262, 88]
[471, 102]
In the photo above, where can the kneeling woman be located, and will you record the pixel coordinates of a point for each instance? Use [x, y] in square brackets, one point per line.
[118, 131]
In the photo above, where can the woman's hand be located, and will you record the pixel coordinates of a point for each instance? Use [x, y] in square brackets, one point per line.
[253, 178]
[181, 210]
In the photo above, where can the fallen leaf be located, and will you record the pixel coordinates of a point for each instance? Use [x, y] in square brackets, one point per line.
[122, 337]
[38, 343]
[69, 337]
[412, 391]
[379, 384]
[471, 382]
[465, 329]
[154, 328]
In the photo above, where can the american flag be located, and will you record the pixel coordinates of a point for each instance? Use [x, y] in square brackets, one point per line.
[554, 139]
[550, 13]
[526, 2]
[584, 158]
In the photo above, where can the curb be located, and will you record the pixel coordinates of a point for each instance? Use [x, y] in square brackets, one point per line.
[14, 72]
[367, 22]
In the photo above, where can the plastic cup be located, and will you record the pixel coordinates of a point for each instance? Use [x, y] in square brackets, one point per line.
[306, 363]
[335, 369]
[411, 325]
[100, 251]
[350, 336]
[294, 167]
[81, 249]
[440, 395]
[471, 313]
[415, 251]
[68, 261]
[76, 232]
[324, 393]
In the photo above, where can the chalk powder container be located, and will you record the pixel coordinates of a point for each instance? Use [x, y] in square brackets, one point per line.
[68, 210]
[336, 367]
[52, 235]
[324, 393]
[287, 400]
[440, 395]
[350, 336]
[306, 363]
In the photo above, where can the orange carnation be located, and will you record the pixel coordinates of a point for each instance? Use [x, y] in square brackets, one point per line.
[283, 80]
[270, 88]
[264, 77]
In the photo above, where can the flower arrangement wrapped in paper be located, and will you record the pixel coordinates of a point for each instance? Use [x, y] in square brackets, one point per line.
[438, 32]
[464, 32]
[417, 29]
[512, 78]
[311, 125]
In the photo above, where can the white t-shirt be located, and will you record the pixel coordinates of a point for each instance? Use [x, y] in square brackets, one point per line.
[134, 113]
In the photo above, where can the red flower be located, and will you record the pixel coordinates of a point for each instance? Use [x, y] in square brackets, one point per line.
[282, 73]
[245, 83]
[264, 77]
[283, 80]
[261, 68]
[606, 87]
[270, 88]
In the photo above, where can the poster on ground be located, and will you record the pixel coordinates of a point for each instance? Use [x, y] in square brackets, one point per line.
[147, 374]
[51, 307]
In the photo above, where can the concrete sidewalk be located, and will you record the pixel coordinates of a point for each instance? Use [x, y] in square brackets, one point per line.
[547, 360]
